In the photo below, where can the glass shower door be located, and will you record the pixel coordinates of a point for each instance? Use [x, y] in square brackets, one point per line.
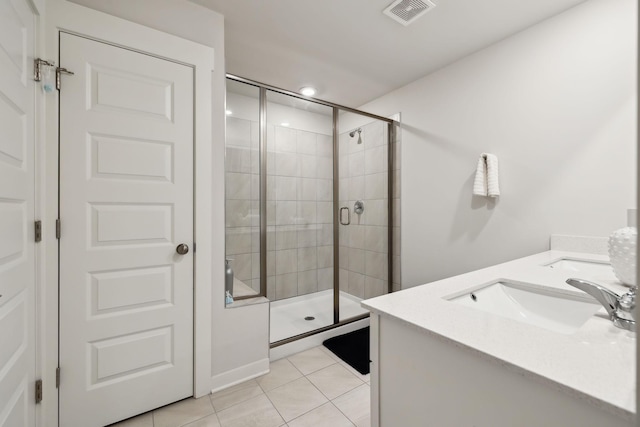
[364, 193]
[300, 216]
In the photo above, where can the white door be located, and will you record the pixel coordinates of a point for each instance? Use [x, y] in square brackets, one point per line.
[17, 262]
[126, 203]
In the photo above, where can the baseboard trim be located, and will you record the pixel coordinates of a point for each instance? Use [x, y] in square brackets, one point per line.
[239, 375]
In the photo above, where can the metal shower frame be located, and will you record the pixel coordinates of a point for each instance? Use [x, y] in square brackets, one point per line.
[391, 135]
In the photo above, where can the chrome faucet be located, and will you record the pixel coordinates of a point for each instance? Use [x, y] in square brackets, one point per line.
[621, 308]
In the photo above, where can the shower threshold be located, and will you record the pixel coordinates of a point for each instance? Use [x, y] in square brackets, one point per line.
[289, 316]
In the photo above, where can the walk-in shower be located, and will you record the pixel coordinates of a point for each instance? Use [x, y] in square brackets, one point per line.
[309, 203]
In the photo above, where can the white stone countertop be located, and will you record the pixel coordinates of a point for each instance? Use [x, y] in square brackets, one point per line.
[596, 363]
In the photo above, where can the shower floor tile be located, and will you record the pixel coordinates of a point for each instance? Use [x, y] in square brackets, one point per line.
[288, 315]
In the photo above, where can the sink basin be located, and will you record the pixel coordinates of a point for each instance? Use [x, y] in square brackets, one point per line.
[591, 268]
[538, 307]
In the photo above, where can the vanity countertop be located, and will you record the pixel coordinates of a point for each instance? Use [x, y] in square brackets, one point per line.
[596, 363]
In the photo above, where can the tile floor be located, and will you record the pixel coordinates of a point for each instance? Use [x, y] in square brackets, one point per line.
[313, 388]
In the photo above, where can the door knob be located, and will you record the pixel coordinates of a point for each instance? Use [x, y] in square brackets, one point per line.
[182, 249]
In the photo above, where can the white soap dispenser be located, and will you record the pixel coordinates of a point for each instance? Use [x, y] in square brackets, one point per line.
[623, 246]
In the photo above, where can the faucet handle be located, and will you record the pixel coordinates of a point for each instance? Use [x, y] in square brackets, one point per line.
[627, 304]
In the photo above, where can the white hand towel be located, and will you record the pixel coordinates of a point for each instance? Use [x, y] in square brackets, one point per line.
[486, 182]
[493, 184]
[480, 183]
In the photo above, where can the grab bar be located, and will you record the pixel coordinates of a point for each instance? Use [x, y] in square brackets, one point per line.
[348, 216]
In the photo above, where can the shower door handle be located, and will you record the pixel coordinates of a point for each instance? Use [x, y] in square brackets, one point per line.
[348, 216]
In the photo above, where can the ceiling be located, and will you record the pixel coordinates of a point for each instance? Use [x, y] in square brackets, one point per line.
[351, 52]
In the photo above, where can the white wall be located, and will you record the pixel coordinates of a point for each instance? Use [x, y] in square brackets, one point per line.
[239, 336]
[556, 103]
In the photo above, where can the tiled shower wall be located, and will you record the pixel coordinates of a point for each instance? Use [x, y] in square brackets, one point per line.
[300, 193]
[299, 208]
[364, 248]
[242, 219]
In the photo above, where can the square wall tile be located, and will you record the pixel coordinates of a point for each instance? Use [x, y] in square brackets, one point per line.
[286, 261]
[356, 164]
[324, 145]
[307, 212]
[286, 285]
[286, 188]
[286, 164]
[324, 190]
[356, 236]
[241, 266]
[306, 142]
[344, 280]
[307, 235]
[343, 256]
[325, 278]
[307, 189]
[307, 166]
[286, 213]
[238, 213]
[325, 234]
[285, 139]
[325, 213]
[356, 188]
[307, 282]
[325, 256]
[237, 159]
[376, 212]
[375, 134]
[238, 241]
[356, 284]
[376, 265]
[324, 167]
[238, 132]
[376, 186]
[307, 259]
[238, 186]
[376, 238]
[286, 237]
[375, 160]
[356, 260]
[374, 287]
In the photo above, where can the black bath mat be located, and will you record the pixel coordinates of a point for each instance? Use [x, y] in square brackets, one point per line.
[353, 348]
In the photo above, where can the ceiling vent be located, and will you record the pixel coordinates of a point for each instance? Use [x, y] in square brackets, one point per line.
[407, 11]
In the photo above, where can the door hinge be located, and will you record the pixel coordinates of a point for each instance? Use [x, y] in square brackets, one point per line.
[58, 228]
[58, 377]
[38, 231]
[59, 72]
[38, 391]
[194, 247]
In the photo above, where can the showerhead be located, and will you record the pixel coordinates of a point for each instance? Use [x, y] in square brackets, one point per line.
[353, 133]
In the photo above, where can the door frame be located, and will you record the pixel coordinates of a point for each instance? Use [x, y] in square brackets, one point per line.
[63, 16]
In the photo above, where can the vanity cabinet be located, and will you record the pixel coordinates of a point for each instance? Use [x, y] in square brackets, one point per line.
[421, 380]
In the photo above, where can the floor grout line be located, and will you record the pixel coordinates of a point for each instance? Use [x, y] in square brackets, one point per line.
[335, 361]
